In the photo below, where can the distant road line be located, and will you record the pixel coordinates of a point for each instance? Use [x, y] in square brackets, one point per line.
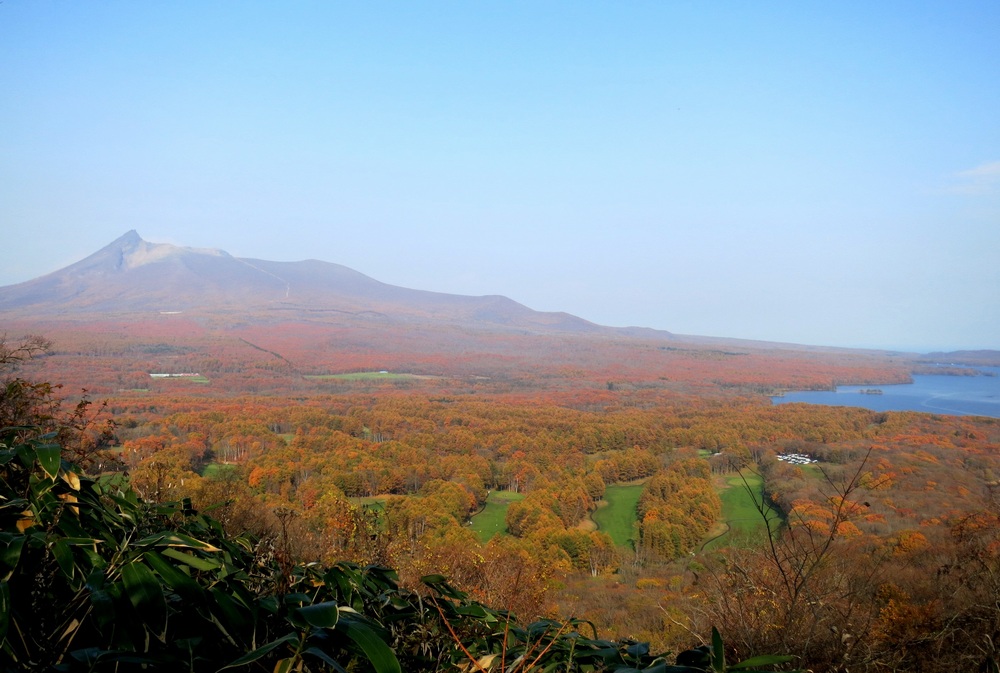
[277, 355]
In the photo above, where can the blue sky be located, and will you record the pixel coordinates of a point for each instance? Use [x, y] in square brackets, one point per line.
[819, 173]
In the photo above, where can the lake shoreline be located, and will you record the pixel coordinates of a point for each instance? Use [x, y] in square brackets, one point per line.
[947, 393]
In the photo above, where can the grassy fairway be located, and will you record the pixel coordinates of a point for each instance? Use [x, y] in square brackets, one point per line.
[376, 502]
[216, 470]
[364, 376]
[188, 379]
[493, 519]
[738, 509]
[812, 471]
[738, 505]
[617, 516]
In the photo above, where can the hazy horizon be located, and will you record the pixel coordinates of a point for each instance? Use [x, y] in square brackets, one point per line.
[822, 175]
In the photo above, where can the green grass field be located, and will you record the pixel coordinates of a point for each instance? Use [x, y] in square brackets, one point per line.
[738, 510]
[616, 518]
[216, 470]
[376, 502]
[363, 376]
[493, 519]
[812, 471]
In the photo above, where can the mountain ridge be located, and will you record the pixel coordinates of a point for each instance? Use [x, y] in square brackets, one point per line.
[133, 276]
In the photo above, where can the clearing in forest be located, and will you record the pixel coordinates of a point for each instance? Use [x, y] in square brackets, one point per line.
[364, 376]
[492, 519]
[217, 470]
[189, 378]
[616, 516]
[375, 502]
[740, 518]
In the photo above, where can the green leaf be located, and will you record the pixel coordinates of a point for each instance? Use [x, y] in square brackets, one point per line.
[78, 541]
[718, 652]
[176, 579]
[440, 584]
[284, 665]
[386, 578]
[346, 582]
[378, 652]
[146, 595]
[175, 540]
[476, 611]
[261, 651]
[323, 656]
[269, 604]
[228, 612]
[10, 549]
[104, 608]
[49, 457]
[16, 504]
[88, 656]
[297, 598]
[64, 557]
[192, 560]
[94, 560]
[26, 454]
[762, 660]
[321, 615]
[637, 650]
[5, 609]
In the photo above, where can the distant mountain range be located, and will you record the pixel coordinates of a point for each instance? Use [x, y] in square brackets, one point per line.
[132, 276]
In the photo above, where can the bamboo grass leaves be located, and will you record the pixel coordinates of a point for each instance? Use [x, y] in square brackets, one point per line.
[93, 578]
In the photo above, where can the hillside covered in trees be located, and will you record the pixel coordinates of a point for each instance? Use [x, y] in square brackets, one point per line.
[94, 576]
[881, 553]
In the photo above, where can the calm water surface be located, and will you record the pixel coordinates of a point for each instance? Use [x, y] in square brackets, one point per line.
[956, 395]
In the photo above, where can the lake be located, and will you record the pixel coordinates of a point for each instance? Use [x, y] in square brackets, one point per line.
[955, 395]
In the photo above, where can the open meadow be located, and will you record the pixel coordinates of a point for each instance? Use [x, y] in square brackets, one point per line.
[742, 522]
[491, 519]
[616, 515]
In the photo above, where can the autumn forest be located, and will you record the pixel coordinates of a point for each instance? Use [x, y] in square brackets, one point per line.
[491, 459]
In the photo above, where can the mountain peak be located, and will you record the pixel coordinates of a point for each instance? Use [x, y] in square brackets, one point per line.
[133, 251]
[130, 237]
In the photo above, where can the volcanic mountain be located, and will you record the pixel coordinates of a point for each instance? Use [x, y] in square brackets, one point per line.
[248, 326]
[131, 277]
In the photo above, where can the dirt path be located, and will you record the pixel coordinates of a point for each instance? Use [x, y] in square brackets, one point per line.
[725, 525]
